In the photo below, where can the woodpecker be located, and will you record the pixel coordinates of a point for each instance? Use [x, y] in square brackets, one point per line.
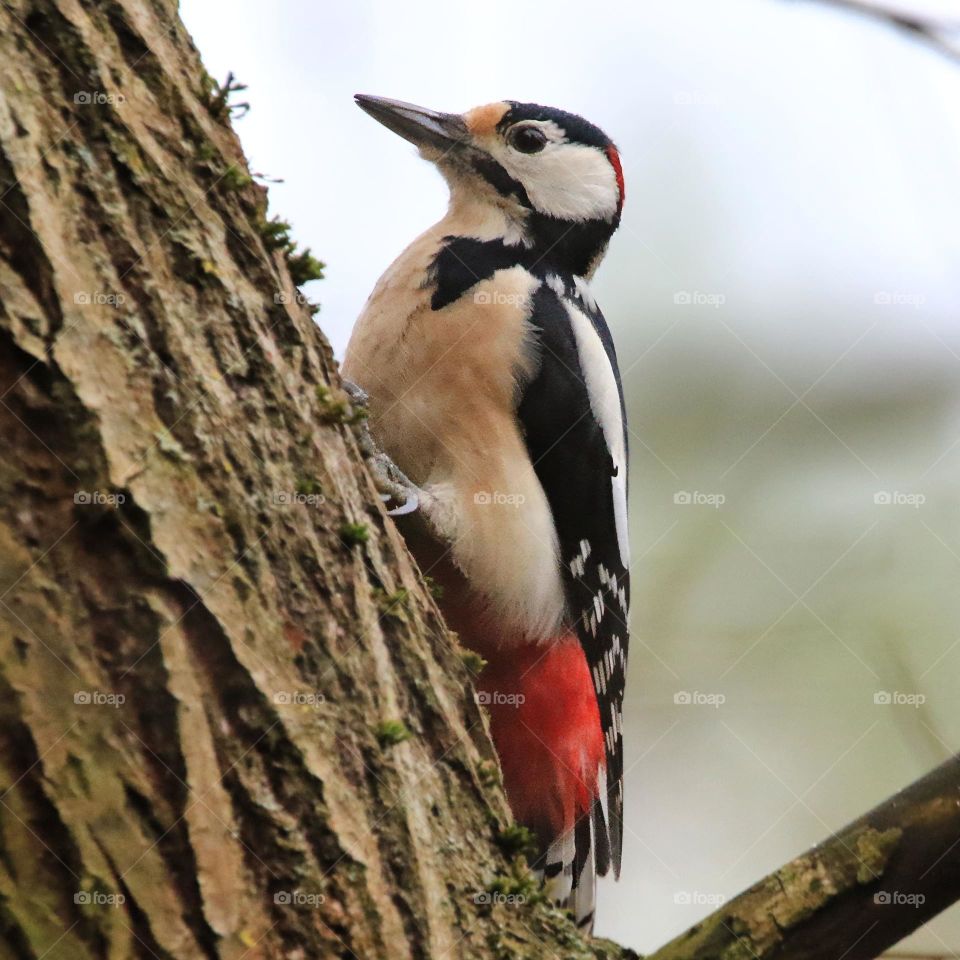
[495, 399]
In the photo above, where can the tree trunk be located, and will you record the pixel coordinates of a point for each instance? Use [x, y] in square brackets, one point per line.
[233, 722]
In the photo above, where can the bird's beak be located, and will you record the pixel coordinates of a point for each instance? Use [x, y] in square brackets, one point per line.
[422, 127]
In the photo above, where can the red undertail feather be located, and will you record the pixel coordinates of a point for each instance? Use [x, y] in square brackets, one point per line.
[546, 728]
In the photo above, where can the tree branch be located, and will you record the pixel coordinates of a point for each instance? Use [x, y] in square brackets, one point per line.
[932, 32]
[854, 895]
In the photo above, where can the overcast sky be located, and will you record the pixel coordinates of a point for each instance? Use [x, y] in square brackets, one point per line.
[807, 133]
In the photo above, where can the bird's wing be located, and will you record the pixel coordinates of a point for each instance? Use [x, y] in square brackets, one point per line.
[573, 419]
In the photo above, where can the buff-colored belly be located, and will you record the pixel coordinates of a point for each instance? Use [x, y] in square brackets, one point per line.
[443, 388]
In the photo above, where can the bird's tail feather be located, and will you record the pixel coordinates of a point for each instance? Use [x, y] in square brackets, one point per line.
[573, 861]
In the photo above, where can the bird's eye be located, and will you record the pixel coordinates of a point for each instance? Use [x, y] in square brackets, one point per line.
[527, 139]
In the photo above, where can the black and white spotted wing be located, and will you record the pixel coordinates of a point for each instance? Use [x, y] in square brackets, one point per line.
[573, 418]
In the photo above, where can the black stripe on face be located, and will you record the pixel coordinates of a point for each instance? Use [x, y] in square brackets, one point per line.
[496, 175]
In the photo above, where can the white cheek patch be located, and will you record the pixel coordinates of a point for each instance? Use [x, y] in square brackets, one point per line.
[570, 181]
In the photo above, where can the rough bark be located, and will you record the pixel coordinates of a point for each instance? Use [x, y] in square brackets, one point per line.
[233, 722]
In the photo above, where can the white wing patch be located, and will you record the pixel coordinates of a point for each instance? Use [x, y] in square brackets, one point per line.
[605, 403]
[577, 567]
[556, 285]
[584, 292]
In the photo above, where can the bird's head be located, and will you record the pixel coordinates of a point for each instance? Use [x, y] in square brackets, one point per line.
[556, 176]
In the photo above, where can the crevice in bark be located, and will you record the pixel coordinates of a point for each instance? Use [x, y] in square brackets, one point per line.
[141, 60]
[242, 249]
[49, 32]
[19, 245]
[12, 936]
[145, 942]
[58, 860]
[163, 812]
[259, 751]
[173, 842]
[393, 839]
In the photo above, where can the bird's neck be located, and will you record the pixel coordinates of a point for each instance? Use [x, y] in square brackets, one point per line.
[574, 247]
[542, 244]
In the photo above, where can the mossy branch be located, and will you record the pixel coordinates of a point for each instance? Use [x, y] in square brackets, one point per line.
[859, 892]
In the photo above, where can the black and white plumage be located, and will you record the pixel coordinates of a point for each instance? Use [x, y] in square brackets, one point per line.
[574, 421]
[490, 367]
[574, 424]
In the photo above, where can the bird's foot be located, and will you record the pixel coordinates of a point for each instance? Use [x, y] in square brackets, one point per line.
[391, 481]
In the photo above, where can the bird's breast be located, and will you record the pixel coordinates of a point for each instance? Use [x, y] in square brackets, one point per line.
[443, 387]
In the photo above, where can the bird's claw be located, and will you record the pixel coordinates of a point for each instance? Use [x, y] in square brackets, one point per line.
[391, 481]
[411, 506]
[394, 484]
[358, 396]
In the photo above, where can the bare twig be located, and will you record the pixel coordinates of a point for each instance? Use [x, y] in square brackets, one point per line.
[939, 34]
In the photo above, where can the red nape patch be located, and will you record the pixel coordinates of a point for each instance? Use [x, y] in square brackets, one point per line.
[546, 728]
[614, 159]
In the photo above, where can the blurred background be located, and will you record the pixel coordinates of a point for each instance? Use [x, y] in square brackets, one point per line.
[784, 295]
